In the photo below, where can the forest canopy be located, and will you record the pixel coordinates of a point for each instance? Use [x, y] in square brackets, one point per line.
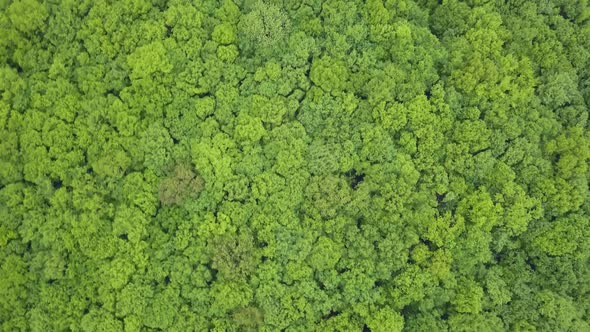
[294, 165]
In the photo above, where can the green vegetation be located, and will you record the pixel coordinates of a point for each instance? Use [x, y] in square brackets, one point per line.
[296, 165]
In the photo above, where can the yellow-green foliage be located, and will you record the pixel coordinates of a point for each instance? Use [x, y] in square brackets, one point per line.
[321, 165]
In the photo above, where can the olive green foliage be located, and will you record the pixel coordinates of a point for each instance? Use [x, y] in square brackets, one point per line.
[181, 184]
[270, 165]
[265, 25]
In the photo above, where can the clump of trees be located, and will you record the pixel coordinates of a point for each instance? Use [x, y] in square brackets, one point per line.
[265, 165]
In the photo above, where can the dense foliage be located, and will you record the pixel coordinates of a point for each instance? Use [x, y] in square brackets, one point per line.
[296, 165]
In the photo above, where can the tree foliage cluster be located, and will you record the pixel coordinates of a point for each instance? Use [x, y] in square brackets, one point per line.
[296, 165]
